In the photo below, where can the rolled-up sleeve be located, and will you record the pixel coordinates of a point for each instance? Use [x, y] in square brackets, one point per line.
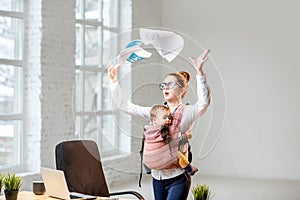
[192, 112]
[202, 91]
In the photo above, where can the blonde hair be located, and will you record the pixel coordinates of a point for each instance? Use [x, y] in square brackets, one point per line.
[156, 108]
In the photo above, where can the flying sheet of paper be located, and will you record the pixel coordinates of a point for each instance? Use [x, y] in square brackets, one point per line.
[168, 44]
[133, 52]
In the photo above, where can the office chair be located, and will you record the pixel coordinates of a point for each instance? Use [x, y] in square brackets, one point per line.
[80, 161]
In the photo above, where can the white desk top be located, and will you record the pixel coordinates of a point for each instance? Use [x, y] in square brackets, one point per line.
[26, 195]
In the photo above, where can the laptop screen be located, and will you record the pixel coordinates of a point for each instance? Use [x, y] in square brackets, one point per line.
[55, 183]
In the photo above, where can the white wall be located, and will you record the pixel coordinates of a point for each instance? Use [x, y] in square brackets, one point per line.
[255, 44]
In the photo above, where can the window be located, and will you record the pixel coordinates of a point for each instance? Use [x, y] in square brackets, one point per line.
[97, 22]
[11, 73]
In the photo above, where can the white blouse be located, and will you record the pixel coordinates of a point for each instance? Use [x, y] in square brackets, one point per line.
[189, 115]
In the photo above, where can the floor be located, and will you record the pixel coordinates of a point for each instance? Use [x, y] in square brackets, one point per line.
[224, 188]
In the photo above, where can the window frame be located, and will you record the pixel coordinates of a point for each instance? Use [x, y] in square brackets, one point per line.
[19, 116]
[84, 68]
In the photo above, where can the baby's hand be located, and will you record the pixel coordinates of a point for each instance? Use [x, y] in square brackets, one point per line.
[168, 122]
[188, 134]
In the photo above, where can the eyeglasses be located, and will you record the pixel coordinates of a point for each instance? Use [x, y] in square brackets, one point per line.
[170, 85]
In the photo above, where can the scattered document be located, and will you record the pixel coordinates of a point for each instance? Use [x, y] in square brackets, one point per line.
[168, 44]
[132, 53]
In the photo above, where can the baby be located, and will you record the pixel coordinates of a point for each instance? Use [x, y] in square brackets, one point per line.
[160, 115]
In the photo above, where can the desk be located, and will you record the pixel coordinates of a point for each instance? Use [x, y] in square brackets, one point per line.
[25, 195]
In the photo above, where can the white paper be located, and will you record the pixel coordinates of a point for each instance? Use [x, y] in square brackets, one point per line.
[168, 44]
[125, 53]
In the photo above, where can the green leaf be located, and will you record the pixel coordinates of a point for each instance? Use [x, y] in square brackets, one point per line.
[12, 182]
[201, 192]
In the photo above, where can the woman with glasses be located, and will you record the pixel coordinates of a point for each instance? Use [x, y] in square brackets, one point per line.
[169, 184]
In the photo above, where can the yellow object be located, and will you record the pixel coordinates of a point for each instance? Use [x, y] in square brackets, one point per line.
[183, 161]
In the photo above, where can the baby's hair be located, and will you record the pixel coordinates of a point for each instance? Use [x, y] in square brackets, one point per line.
[155, 108]
[164, 131]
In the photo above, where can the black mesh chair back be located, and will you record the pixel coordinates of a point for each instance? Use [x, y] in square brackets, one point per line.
[81, 163]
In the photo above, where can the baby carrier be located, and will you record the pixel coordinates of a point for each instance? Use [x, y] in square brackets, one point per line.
[160, 151]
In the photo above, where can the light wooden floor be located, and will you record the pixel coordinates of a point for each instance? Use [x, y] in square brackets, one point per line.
[225, 188]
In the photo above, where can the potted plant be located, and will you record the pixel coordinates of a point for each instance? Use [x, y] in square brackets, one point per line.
[1, 181]
[201, 192]
[12, 184]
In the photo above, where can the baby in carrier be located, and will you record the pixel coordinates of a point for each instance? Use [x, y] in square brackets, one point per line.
[160, 116]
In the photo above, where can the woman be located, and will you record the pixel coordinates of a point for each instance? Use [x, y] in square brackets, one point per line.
[169, 184]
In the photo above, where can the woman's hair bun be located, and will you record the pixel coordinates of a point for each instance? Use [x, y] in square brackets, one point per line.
[186, 75]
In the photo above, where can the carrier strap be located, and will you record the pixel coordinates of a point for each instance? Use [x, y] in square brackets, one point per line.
[141, 155]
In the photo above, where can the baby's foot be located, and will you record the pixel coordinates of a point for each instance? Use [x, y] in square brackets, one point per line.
[193, 171]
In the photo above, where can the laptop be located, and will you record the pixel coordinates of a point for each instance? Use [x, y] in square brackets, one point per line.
[56, 185]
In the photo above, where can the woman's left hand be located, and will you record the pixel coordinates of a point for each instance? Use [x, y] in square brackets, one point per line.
[198, 63]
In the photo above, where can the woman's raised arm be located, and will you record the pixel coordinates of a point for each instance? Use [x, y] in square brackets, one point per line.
[192, 112]
[120, 100]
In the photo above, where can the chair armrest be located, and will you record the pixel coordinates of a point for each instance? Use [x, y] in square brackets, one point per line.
[136, 194]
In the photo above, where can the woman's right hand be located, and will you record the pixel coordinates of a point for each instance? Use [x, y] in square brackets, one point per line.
[112, 72]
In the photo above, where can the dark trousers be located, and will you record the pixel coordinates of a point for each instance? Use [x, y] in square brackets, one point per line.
[176, 188]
